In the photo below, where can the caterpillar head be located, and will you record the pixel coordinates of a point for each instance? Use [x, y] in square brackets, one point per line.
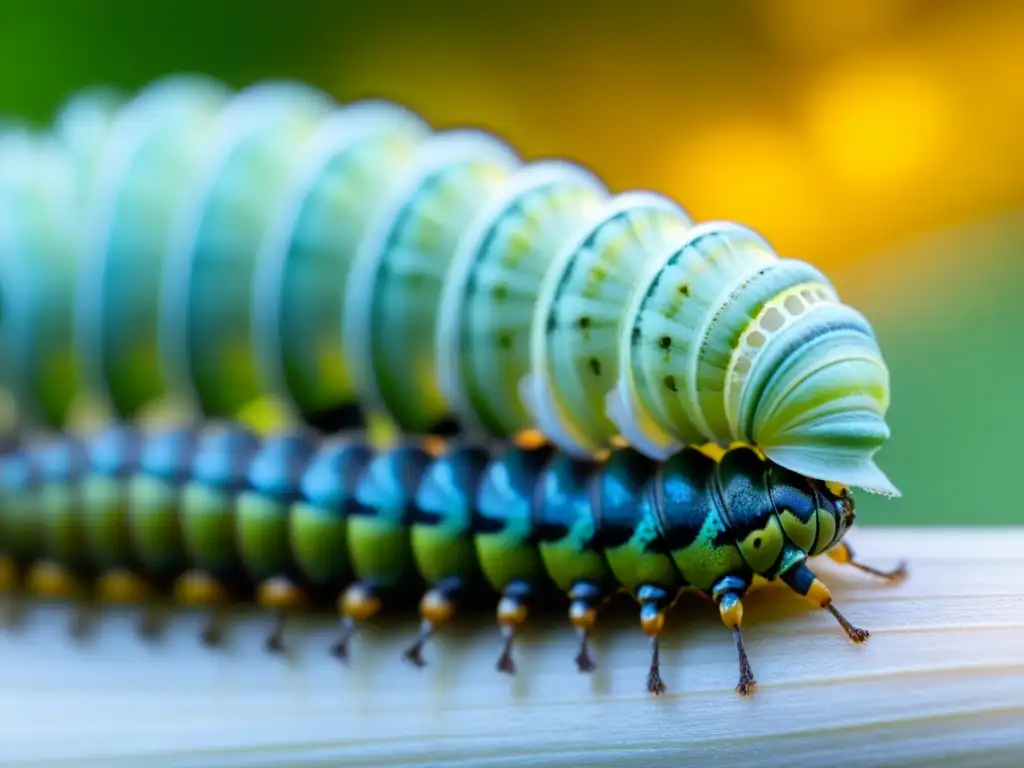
[725, 341]
[808, 385]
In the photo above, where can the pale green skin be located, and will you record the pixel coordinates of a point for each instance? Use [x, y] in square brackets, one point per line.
[723, 341]
[208, 529]
[105, 522]
[159, 135]
[577, 320]
[38, 239]
[490, 292]
[318, 539]
[210, 348]
[153, 522]
[43, 180]
[393, 297]
[358, 156]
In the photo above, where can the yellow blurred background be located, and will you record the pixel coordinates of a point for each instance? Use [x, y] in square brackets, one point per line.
[882, 140]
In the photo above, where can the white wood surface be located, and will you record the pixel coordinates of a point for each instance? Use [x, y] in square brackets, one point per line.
[941, 682]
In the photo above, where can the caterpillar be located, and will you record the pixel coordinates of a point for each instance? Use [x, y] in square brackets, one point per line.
[352, 261]
[215, 513]
[702, 406]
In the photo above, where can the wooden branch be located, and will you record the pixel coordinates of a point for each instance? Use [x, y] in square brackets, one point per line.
[940, 681]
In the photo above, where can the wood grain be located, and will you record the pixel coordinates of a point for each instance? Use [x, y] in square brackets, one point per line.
[941, 682]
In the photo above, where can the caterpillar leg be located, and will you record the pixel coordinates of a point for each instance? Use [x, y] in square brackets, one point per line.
[843, 553]
[201, 590]
[150, 621]
[654, 601]
[584, 600]
[802, 580]
[357, 603]
[282, 596]
[436, 607]
[513, 609]
[50, 580]
[119, 586]
[728, 593]
[122, 587]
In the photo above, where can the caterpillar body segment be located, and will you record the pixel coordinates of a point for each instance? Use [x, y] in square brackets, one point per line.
[359, 264]
[392, 301]
[151, 154]
[727, 342]
[39, 217]
[293, 521]
[251, 150]
[574, 342]
[487, 304]
[354, 160]
[82, 125]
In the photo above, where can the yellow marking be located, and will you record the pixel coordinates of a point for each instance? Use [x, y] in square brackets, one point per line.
[582, 616]
[436, 608]
[841, 553]
[122, 587]
[838, 489]
[358, 603]
[731, 612]
[265, 415]
[8, 575]
[51, 580]
[618, 441]
[818, 594]
[434, 445]
[528, 439]
[652, 625]
[801, 533]
[713, 451]
[195, 588]
[761, 548]
[826, 530]
[280, 593]
[511, 612]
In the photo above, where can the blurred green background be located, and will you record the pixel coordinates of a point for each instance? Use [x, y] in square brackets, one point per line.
[883, 140]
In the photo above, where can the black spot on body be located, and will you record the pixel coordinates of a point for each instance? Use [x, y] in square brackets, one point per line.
[665, 342]
[584, 323]
[505, 341]
[595, 366]
[670, 383]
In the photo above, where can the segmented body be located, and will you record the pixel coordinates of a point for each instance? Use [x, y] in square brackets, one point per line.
[352, 262]
[218, 514]
[349, 259]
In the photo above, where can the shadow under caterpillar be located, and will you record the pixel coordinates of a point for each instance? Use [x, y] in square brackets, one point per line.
[207, 515]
